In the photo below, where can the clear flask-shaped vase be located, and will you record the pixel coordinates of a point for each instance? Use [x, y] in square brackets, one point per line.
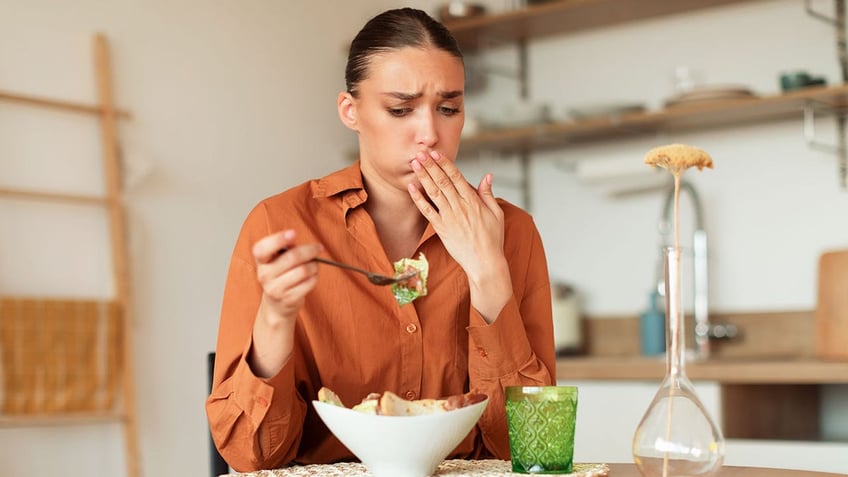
[676, 437]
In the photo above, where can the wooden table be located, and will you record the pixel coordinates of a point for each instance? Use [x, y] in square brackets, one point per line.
[630, 470]
[491, 468]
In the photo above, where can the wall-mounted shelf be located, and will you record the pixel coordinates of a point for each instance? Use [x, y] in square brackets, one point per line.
[700, 115]
[565, 16]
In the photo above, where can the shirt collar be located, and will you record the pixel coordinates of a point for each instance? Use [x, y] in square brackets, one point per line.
[346, 182]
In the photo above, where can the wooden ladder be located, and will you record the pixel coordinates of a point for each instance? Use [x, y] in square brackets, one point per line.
[63, 398]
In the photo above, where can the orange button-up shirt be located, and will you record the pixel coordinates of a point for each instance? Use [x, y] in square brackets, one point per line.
[354, 338]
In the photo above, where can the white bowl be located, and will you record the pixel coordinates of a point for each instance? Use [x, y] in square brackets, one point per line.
[400, 446]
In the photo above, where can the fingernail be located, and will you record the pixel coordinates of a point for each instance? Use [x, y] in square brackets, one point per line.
[434, 155]
[416, 166]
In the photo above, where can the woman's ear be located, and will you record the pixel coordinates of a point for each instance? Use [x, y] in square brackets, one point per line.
[347, 110]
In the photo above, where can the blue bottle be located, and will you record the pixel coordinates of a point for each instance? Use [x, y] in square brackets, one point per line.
[652, 327]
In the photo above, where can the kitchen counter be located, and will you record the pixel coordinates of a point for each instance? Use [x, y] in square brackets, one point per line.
[755, 392]
[729, 371]
[773, 348]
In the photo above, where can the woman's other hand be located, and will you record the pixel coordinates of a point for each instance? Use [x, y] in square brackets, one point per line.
[471, 225]
[286, 278]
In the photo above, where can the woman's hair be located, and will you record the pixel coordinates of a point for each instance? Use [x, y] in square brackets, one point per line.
[393, 30]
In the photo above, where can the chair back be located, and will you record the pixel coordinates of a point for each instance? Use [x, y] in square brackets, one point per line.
[217, 464]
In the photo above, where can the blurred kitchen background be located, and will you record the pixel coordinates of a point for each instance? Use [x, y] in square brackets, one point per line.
[234, 101]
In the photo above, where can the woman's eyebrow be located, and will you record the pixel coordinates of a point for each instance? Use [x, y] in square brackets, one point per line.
[450, 94]
[410, 96]
[404, 96]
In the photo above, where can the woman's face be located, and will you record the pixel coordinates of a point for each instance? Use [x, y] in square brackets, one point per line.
[411, 100]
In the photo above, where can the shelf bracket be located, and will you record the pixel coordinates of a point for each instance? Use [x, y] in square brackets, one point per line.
[524, 163]
[517, 73]
[838, 22]
[808, 6]
[520, 183]
[840, 149]
[810, 131]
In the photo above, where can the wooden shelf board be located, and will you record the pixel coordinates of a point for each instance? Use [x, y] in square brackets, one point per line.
[67, 419]
[52, 196]
[701, 115]
[563, 16]
[637, 368]
[68, 106]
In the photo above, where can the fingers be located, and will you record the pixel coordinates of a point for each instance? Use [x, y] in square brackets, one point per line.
[290, 287]
[433, 187]
[289, 275]
[484, 191]
[427, 210]
[270, 248]
[447, 188]
[267, 249]
[440, 178]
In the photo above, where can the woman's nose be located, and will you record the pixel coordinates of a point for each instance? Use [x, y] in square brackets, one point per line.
[426, 130]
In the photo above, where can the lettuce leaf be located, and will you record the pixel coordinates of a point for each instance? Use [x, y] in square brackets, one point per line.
[407, 291]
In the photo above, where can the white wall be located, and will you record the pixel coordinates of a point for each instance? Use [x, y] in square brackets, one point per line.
[234, 101]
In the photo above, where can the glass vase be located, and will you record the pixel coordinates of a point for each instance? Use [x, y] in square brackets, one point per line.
[676, 437]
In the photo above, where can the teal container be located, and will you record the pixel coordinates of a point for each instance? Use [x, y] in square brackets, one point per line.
[652, 328]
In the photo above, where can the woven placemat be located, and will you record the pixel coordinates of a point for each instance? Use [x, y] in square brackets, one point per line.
[448, 468]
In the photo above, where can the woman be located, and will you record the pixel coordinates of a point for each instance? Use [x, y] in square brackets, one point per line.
[290, 326]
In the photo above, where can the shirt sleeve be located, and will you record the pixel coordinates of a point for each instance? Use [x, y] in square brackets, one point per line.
[256, 423]
[517, 348]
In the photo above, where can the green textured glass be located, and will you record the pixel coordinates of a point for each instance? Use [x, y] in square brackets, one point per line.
[541, 428]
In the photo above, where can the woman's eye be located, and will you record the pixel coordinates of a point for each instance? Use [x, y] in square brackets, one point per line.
[399, 112]
[448, 111]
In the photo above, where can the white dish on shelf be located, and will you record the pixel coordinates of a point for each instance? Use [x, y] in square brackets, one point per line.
[710, 93]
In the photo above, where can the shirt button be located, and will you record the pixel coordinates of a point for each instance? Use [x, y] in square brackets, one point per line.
[410, 328]
[482, 352]
[262, 401]
[409, 395]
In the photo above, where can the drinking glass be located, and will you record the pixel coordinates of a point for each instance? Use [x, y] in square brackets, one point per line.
[676, 436]
[541, 422]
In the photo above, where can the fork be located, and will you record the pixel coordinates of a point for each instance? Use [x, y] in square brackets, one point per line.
[375, 278]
